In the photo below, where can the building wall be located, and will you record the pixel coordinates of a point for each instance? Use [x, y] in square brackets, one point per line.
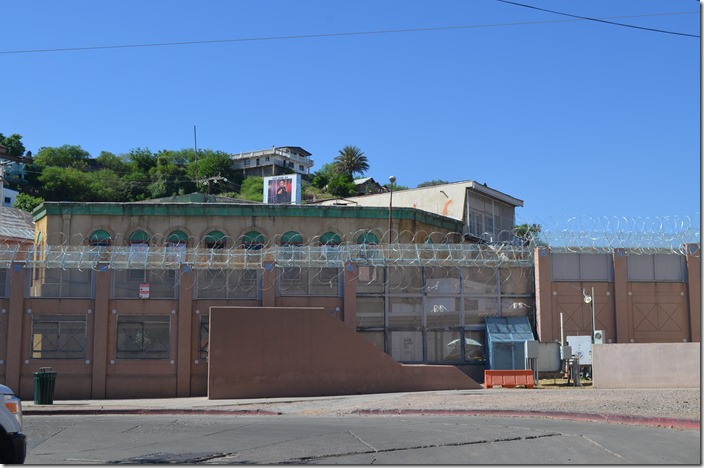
[286, 352]
[72, 223]
[647, 365]
[629, 307]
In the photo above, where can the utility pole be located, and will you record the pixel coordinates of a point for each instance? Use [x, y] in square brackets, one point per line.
[215, 179]
[195, 147]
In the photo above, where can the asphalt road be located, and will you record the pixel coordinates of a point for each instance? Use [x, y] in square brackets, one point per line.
[149, 439]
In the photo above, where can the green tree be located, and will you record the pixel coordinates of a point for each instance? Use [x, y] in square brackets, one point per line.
[395, 187]
[527, 233]
[65, 184]
[351, 160]
[322, 177]
[107, 160]
[432, 182]
[141, 160]
[342, 185]
[13, 143]
[66, 156]
[27, 202]
[104, 185]
[214, 164]
[252, 189]
[169, 176]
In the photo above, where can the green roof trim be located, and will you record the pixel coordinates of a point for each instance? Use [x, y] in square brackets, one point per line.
[330, 238]
[291, 237]
[367, 238]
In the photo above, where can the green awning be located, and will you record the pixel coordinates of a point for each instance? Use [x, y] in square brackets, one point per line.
[367, 238]
[215, 236]
[177, 237]
[100, 236]
[253, 237]
[330, 238]
[139, 237]
[291, 237]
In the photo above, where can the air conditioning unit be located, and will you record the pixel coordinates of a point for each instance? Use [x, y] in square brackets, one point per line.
[598, 336]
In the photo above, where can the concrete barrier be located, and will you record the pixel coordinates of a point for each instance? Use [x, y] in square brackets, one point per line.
[646, 365]
[509, 378]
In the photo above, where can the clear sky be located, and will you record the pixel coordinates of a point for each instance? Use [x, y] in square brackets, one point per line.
[574, 117]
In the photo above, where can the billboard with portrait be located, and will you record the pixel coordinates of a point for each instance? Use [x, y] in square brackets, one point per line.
[283, 189]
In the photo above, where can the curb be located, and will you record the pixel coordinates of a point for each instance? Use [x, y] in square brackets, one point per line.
[95, 412]
[674, 423]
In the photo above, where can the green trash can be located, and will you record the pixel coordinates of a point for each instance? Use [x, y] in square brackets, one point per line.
[44, 386]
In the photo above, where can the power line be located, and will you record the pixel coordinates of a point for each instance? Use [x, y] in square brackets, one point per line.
[599, 20]
[358, 33]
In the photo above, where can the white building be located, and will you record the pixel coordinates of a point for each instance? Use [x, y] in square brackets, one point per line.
[277, 160]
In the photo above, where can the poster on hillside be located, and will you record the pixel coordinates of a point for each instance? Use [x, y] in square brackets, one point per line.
[283, 189]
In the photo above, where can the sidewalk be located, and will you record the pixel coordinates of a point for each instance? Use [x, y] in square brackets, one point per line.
[677, 408]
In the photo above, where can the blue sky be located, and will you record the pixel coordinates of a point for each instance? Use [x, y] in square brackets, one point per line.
[574, 117]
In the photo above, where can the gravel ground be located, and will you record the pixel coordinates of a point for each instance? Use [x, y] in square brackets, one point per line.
[660, 403]
[677, 403]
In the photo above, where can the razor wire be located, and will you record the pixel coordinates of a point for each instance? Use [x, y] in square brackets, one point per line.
[234, 265]
[604, 234]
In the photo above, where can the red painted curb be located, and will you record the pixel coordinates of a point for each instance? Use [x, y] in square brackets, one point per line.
[602, 418]
[41, 412]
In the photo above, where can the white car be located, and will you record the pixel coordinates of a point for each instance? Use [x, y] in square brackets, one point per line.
[13, 442]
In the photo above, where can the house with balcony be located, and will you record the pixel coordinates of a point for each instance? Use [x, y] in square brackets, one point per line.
[277, 160]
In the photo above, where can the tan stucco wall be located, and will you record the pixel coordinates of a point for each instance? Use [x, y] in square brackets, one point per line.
[74, 229]
[284, 352]
[647, 365]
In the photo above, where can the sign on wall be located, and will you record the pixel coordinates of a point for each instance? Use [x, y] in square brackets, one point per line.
[284, 189]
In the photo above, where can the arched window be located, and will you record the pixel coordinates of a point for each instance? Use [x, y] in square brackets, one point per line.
[177, 238]
[100, 238]
[215, 240]
[253, 240]
[291, 245]
[330, 243]
[330, 238]
[176, 243]
[291, 238]
[368, 245]
[139, 251]
[139, 237]
[367, 238]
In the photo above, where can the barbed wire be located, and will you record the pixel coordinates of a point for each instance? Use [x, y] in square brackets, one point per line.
[603, 234]
[668, 234]
[229, 268]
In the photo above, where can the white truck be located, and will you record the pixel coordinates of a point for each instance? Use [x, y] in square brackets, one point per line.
[13, 442]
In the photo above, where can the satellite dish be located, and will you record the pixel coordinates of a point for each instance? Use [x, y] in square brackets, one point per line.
[587, 299]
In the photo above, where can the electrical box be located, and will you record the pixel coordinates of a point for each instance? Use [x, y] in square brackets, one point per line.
[565, 352]
[531, 349]
[599, 337]
[582, 348]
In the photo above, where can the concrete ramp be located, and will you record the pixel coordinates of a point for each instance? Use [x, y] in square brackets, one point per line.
[264, 352]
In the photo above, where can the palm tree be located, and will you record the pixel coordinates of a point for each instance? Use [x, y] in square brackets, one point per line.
[351, 160]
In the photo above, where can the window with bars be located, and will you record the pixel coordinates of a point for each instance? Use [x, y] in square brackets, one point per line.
[58, 337]
[143, 336]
